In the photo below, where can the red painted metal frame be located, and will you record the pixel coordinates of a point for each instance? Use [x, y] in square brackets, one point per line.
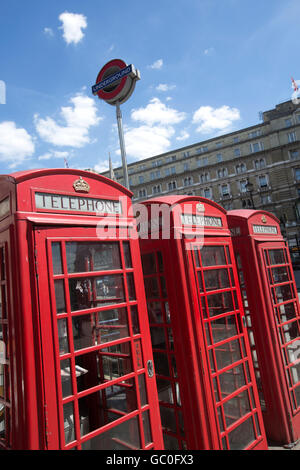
[282, 422]
[191, 350]
[34, 384]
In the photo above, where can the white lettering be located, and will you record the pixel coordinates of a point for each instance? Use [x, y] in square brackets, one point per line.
[58, 202]
[270, 229]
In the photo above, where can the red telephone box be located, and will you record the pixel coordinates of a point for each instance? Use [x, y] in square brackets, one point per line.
[75, 346]
[273, 318]
[205, 378]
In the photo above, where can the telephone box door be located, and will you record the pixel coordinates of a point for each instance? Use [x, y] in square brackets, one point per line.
[279, 279]
[233, 397]
[99, 389]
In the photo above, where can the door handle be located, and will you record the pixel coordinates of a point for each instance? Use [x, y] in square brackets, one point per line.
[150, 368]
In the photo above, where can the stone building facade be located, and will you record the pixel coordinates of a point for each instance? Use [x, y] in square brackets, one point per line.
[258, 166]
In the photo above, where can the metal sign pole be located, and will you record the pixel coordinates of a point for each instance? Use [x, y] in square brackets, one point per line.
[122, 145]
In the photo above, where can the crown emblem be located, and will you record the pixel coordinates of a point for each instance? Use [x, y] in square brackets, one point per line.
[81, 186]
[200, 207]
[263, 219]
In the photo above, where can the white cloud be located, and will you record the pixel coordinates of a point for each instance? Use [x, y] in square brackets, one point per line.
[156, 65]
[157, 112]
[54, 154]
[165, 87]
[48, 32]
[183, 135]
[78, 118]
[145, 141]
[211, 119]
[72, 26]
[209, 51]
[15, 144]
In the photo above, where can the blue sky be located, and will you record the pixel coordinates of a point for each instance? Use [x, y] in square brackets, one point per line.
[207, 68]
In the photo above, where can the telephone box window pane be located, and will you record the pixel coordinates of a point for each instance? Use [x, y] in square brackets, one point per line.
[291, 331]
[92, 256]
[236, 408]
[170, 442]
[231, 380]
[96, 291]
[149, 264]
[242, 436]
[219, 303]
[125, 436]
[161, 364]
[63, 336]
[146, 426]
[155, 312]
[286, 312]
[280, 274]
[2, 382]
[87, 371]
[293, 351]
[135, 320]
[276, 257]
[3, 426]
[131, 288]
[115, 361]
[200, 281]
[164, 389]
[158, 338]
[216, 279]
[111, 325]
[213, 255]
[295, 373]
[83, 331]
[163, 287]
[196, 257]
[297, 394]
[127, 255]
[2, 302]
[151, 287]
[227, 354]
[56, 258]
[142, 388]
[283, 293]
[168, 419]
[160, 262]
[66, 382]
[69, 422]
[60, 296]
[120, 397]
[224, 328]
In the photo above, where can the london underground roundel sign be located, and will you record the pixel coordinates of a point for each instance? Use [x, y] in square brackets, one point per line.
[116, 81]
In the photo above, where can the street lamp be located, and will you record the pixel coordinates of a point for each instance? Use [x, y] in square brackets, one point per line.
[249, 188]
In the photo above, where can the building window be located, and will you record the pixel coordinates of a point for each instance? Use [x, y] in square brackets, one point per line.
[156, 163]
[292, 137]
[186, 154]
[201, 149]
[155, 174]
[224, 189]
[236, 140]
[222, 172]
[241, 168]
[297, 174]
[207, 193]
[186, 167]
[204, 177]
[170, 159]
[265, 199]
[288, 122]
[259, 164]
[243, 184]
[219, 157]
[202, 162]
[141, 179]
[156, 189]
[142, 193]
[294, 154]
[237, 152]
[188, 181]
[254, 134]
[262, 181]
[172, 185]
[219, 144]
[256, 147]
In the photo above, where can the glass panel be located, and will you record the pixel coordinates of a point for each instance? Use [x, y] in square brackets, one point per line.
[163, 287]
[151, 287]
[295, 373]
[196, 256]
[240, 437]
[87, 371]
[286, 312]
[135, 319]
[83, 331]
[92, 256]
[213, 255]
[237, 407]
[3, 420]
[125, 436]
[115, 361]
[164, 389]
[200, 281]
[158, 337]
[131, 288]
[283, 293]
[291, 331]
[224, 328]
[155, 312]
[219, 303]
[2, 264]
[66, 381]
[231, 380]
[56, 258]
[63, 336]
[142, 388]
[170, 442]
[60, 296]
[216, 279]
[111, 325]
[276, 256]
[96, 291]
[280, 274]
[160, 262]
[297, 394]
[293, 351]
[3, 308]
[69, 422]
[227, 354]
[146, 426]
[161, 363]
[168, 419]
[127, 255]
[2, 381]
[149, 264]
